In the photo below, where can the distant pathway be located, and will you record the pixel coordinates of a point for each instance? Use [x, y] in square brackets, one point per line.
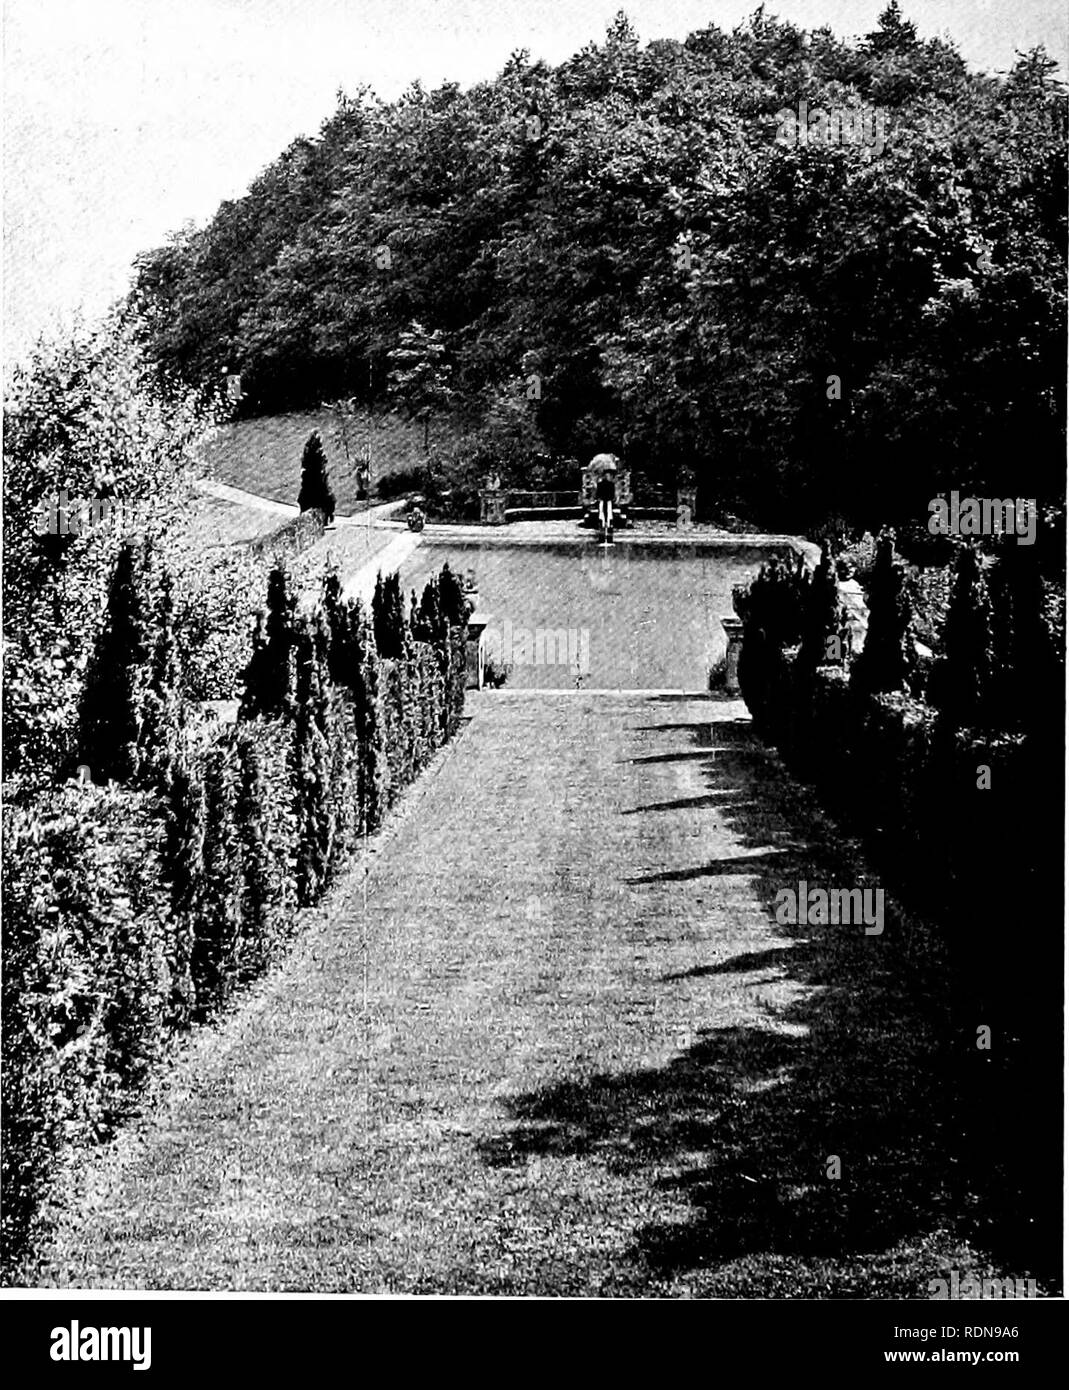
[564, 1048]
[361, 584]
[359, 545]
[225, 493]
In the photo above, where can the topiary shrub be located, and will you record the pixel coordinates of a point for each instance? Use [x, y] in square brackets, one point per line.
[315, 493]
[373, 773]
[217, 933]
[312, 769]
[268, 677]
[888, 660]
[820, 614]
[109, 716]
[962, 685]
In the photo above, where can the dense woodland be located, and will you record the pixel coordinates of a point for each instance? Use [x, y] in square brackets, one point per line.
[632, 229]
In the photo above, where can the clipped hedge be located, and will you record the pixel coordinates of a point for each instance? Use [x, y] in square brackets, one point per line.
[87, 958]
[959, 821]
[130, 915]
[292, 537]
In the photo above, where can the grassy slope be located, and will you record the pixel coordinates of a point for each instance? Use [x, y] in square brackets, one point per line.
[264, 455]
[207, 523]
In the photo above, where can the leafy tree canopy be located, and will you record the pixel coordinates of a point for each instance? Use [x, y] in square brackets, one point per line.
[638, 246]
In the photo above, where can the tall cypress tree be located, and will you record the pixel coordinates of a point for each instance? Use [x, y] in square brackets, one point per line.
[312, 767]
[315, 493]
[183, 869]
[454, 602]
[336, 627]
[432, 611]
[406, 691]
[821, 614]
[259, 872]
[888, 658]
[268, 677]
[962, 682]
[109, 720]
[163, 712]
[388, 615]
[217, 941]
[353, 616]
[433, 627]
[372, 771]
[457, 680]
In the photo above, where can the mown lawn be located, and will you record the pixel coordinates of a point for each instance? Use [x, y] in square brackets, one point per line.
[263, 455]
[209, 523]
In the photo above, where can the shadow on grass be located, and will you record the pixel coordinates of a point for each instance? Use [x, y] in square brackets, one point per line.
[778, 958]
[859, 1064]
[692, 803]
[683, 756]
[712, 696]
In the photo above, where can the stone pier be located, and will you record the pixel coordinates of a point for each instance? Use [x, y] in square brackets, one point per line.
[733, 629]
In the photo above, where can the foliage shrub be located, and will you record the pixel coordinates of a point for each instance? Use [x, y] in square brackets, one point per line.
[400, 482]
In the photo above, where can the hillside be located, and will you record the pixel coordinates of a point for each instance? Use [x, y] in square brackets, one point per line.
[263, 455]
[826, 275]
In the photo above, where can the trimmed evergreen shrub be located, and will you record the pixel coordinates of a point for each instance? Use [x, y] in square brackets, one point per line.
[267, 828]
[312, 767]
[458, 678]
[371, 729]
[131, 914]
[772, 609]
[936, 792]
[388, 616]
[85, 980]
[962, 685]
[261, 871]
[315, 493]
[336, 626]
[183, 869]
[888, 659]
[163, 711]
[452, 599]
[820, 616]
[109, 720]
[217, 938]
[268, 677]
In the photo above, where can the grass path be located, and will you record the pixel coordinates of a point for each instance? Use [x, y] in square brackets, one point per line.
[563, 1050]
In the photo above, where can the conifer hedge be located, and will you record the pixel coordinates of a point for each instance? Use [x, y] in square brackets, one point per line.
[902, 759]
[955, 786]
[133, 910]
